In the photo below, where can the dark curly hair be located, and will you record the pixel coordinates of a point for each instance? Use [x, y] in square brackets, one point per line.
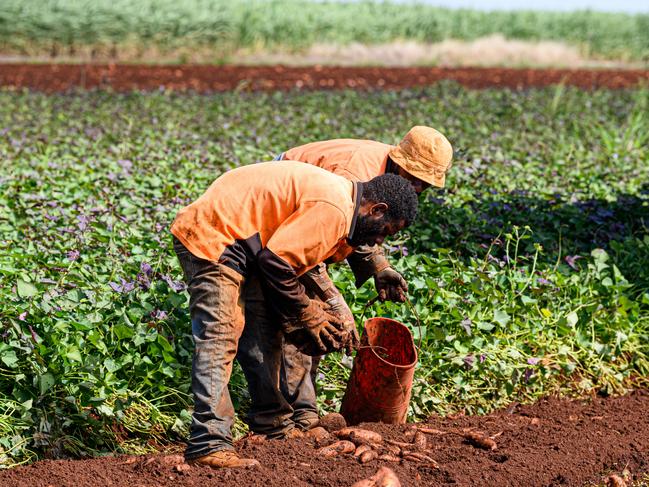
[397, 193]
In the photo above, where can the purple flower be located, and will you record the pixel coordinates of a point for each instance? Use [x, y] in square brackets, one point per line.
[124, 287]
[571, 259]
[22, 316]
[159, 314]
[73, 255]
[533, 361]
[527, 375]
[469, 360]
[543, 282]
[483, 357]
[174, 285]
[83, 222]
[146, 269]
[125, 164]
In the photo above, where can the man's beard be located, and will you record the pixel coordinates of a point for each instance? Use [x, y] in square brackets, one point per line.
[366, 231]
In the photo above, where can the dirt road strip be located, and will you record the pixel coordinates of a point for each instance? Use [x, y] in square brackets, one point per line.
[205, 78]
[554, 442]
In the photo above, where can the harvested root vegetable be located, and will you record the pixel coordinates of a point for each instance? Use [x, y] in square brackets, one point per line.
[332, 422]
[400, 444]
[420, 440]
[359, 436]
[480, 441]
[385, 477]
[368, 456]
[432, 431]
[615, 481]
[418, 457]
[410, 433]
[392, 449]
[389, 458]
[365, 437]
[338, 448]
[362, 449]
[319, 434]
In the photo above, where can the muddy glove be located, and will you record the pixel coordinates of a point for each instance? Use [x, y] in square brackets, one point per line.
[390, 285]
[338, 307]
[316, 331]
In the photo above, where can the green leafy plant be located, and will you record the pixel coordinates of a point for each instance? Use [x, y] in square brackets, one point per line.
[528, 274]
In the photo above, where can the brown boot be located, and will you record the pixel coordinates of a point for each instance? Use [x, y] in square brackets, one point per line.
[224, 459]
[307, 423]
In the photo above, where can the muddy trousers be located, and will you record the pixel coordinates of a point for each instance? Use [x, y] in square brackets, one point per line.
[297, 372]
[229, 320]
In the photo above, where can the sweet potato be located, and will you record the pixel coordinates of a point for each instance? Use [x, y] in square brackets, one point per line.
[432, 431]
[319, 434]
[410, 433]
[338, 448]
[420, 440]
[399, 443]
[359, 436]
[365, 437]
[389, 458]
[385, 477]
[368, 456]
[418, 457]
[480, 441]
[615, 481]
[332, 422]
[392, 449]
[362, 449]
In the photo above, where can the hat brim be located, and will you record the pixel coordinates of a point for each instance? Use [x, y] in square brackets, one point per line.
[434, 177]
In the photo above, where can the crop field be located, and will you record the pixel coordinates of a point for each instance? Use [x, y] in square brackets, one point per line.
[147, 29]
[528, 274]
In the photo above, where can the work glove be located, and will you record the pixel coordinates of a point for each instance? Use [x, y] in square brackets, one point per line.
[390, 285]
[316, 331]
[338, 307]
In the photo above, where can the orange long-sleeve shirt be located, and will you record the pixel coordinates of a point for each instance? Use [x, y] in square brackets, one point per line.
[356, 160]
[302, 213]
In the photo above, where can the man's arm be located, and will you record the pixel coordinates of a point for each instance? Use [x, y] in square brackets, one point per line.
[301, 242]
[366, 262]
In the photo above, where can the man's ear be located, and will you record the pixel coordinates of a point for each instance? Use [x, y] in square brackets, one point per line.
[378, 210]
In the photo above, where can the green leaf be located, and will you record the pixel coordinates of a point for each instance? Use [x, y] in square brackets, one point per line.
[74, 355]
[485, 326]
[46, 381]
[572, 319]
[9, 358]
[26, 289]
[123, 331]
[501, 317]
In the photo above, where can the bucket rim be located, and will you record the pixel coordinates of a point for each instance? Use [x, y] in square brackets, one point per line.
[412, 340]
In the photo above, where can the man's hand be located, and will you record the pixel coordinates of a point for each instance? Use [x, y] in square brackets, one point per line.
[339, 308]
[318, 331]
[390, 285]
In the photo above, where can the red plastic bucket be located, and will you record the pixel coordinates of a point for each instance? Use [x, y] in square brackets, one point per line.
[381, 380]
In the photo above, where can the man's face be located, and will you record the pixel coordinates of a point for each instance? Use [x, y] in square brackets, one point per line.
[419, 185]
[372, 230]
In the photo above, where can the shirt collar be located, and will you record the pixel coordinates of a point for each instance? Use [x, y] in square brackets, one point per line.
[357, 197]
[391, 167]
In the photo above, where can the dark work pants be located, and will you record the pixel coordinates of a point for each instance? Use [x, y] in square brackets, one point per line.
[229, 320]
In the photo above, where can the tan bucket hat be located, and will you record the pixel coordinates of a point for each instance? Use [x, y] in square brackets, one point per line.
[425, 153]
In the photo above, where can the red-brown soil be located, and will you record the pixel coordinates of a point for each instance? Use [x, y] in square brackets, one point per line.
[554, 442]
[206, 78]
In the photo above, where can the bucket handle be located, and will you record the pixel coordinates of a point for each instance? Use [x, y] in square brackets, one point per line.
[418, 346]
[412, 309]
